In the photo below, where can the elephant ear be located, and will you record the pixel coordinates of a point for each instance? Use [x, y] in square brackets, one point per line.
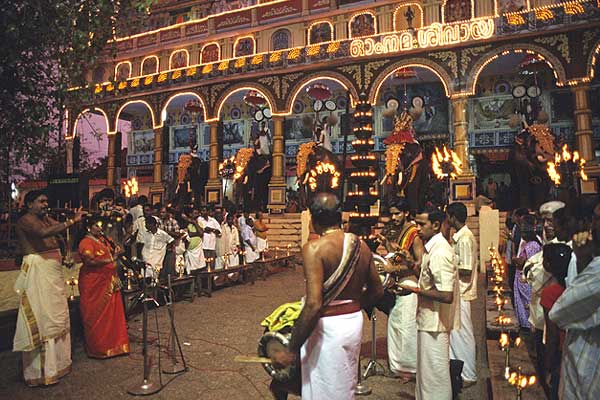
[307, 121]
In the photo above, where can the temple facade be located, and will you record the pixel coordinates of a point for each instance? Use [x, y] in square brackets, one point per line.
[208, 77]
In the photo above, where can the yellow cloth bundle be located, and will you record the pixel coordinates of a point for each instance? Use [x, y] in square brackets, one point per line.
[284, 315]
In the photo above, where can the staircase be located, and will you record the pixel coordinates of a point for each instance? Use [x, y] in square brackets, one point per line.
[284, 230]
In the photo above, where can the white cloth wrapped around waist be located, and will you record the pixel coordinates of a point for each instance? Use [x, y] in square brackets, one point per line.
[43, 310]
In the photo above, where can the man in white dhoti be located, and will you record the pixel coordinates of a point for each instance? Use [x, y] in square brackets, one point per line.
[327, 334]
[437, 310]
[400, 236]
[230, 241]
[462, 341]
[212, 230]
[249, 238]
[194, 254]
[43, 329]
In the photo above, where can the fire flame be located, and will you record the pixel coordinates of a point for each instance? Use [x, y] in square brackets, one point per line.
[565, 156]
[323, 168]
[131, 187]
[446, 163]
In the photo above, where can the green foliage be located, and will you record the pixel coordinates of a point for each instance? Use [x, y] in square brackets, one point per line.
[47, 47]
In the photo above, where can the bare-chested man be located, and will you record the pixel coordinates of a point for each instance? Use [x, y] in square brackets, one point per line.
[400, 235]
[43, 330]
[328, 332]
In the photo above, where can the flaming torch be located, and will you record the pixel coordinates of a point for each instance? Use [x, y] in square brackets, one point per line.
[131, 187]
[568, 163]
[446, 163]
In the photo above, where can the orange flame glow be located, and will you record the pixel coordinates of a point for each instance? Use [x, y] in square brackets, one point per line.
[565, 156]
[445, 163]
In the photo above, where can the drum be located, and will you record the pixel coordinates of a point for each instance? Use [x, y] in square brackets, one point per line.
[380, 262]
[272, 342]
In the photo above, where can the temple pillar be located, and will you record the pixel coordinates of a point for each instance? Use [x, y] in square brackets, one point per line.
[69, 151]
[277, 185]
[463, 187]
[157, 189]
[583, 121]
[461, 132]
[111, 168]
[213, 190]
[583, 137]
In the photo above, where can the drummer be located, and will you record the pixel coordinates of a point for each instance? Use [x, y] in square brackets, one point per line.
[400, 237]
[328, 338]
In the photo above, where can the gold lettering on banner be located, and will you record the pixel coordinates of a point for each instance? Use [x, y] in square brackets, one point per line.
[434, 35]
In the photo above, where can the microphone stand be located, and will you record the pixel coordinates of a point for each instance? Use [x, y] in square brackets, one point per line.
[147, 387]
[373, 366]
[174, 368]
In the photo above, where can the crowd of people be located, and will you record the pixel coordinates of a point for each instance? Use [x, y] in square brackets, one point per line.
[166, 240]
[553, 256]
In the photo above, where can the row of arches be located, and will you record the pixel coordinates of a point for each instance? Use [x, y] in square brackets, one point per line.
[554, 64]
[360, 24]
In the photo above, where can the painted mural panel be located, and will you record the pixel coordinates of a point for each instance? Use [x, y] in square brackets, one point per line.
[142, 142]
[431, 97]
[210, 53]
[179, 59]
[457, 10]
[233, 132]
[181, 137]
[123, 71]
[320, 33]
[281, 39]
[492, 112]
[150, 66]
[244, 47]
[362, 25]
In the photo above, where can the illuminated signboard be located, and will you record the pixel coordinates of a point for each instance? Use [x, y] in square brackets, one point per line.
[433, 35]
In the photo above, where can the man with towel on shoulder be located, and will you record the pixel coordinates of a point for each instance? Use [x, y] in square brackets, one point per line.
[328, 332]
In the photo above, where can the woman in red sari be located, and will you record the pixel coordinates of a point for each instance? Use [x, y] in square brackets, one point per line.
[100, 300]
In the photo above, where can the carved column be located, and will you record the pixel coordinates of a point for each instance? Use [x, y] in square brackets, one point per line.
[213, 186]
[69, 151]
[583, 121]
[461, 132]
[277, 185]
[157, 174]
[111, 168]
[463, 187]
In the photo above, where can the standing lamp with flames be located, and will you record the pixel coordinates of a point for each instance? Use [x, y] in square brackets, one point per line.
[446, 165]
[130, 186]
[505, 343]
[521, 381]
[565, 168]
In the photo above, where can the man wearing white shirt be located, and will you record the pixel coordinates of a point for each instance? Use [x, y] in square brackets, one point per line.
[211, 229]
[462, 341]
[437, 310]
[562, 221]
[231, 240]
[249, 238]
[155, 243]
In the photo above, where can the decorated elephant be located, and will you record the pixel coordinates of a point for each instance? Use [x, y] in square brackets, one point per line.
[251, 179]
[192, 174]
[534, 146]
[406, 169]
[317, 170]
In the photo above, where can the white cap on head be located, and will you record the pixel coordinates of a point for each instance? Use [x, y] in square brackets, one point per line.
[548, 208]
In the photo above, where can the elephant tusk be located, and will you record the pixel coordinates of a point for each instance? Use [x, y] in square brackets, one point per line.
[399, 178]
[305, 179]
[383, 179]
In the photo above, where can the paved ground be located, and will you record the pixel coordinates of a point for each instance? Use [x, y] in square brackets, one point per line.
[213, 331]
